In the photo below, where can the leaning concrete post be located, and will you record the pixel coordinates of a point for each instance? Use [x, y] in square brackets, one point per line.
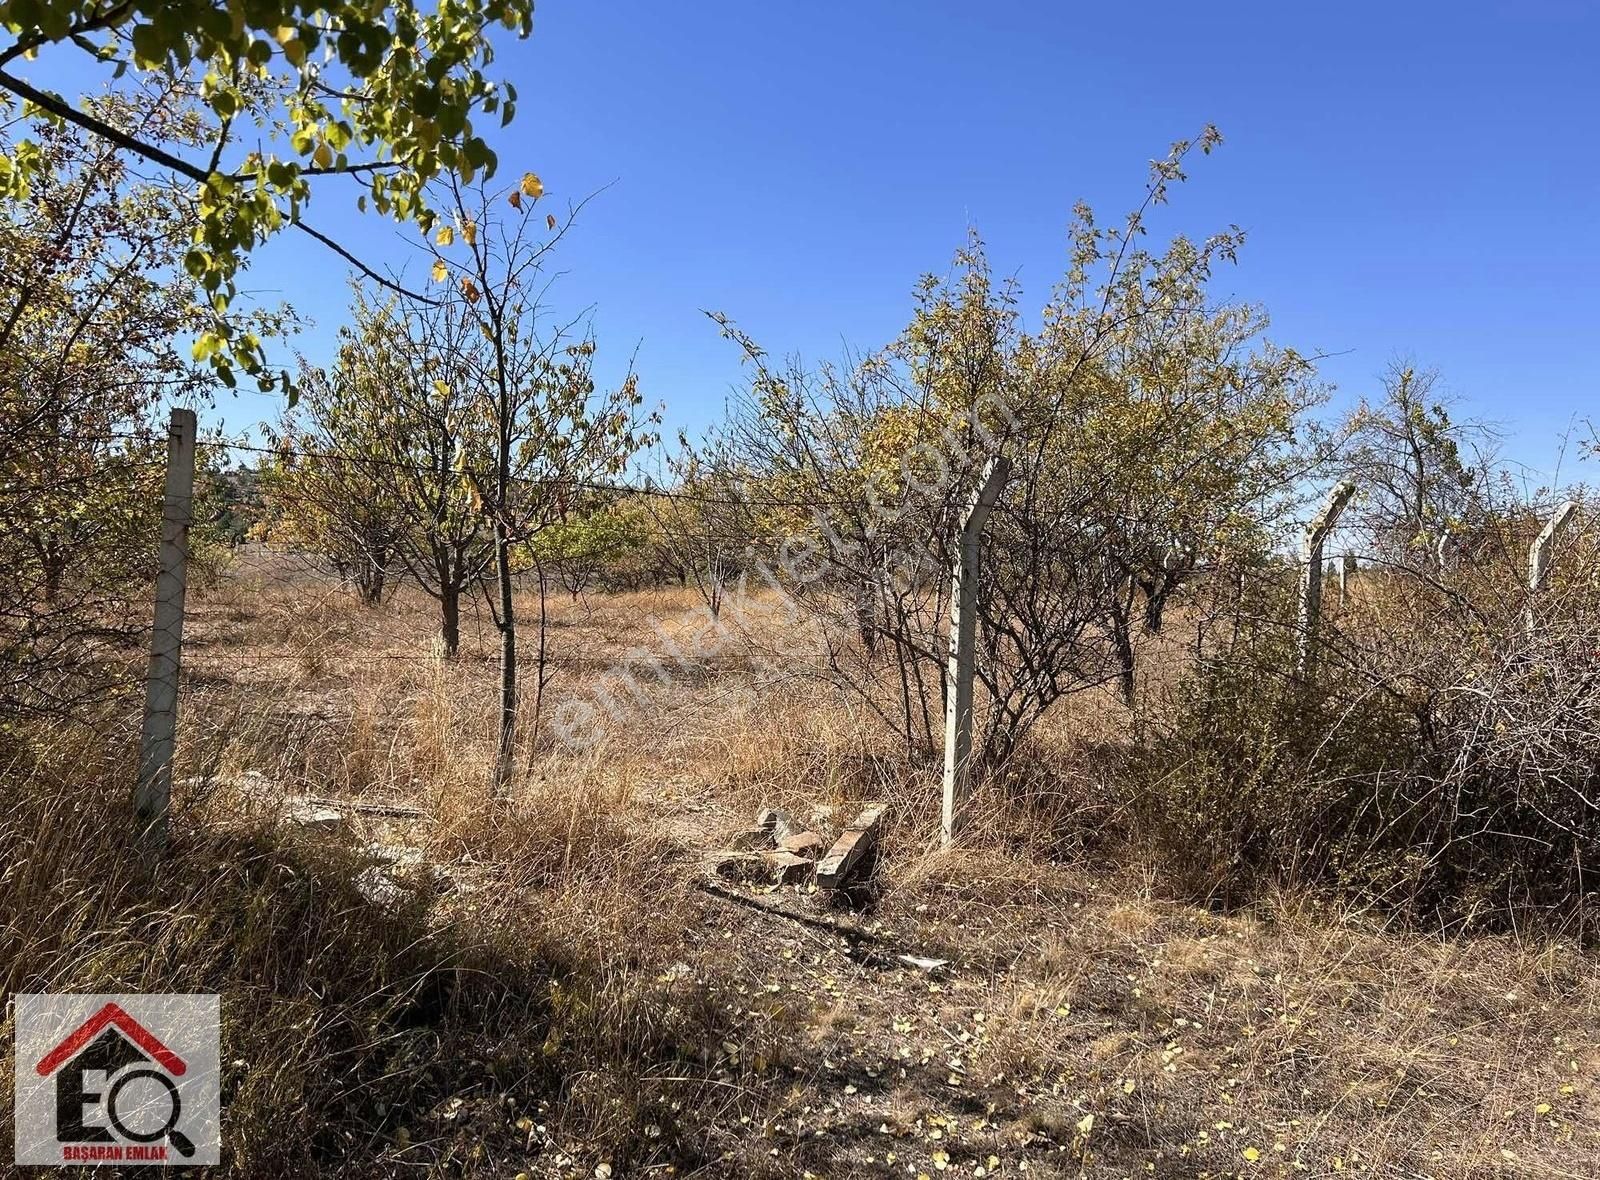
[963, 638]
[1441, 551]
[1347, 566]
[1311, 583]
[1539, 557]
[154, 790]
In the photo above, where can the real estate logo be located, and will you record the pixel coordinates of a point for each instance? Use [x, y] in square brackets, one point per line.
[122, 1080]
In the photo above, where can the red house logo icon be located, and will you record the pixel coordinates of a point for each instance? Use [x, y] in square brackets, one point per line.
[105, 1088]
[110, 1016]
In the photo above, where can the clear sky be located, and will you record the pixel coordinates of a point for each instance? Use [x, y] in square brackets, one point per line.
[1416, 179]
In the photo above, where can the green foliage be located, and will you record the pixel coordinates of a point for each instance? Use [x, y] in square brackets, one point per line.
[549, 428]
[444, 421]
[1152, 430]
[93, 307]
[367, 472]
[1258, 777]
[290, 95]
[1424, 485]
[606, 543]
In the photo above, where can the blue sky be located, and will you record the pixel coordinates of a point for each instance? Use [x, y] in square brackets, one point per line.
[1416, 179]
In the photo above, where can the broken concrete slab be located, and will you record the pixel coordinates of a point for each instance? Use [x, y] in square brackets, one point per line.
[752, 840]
[777, 821]
[759, 868]
[397, 855]
[786, 867]
[307, 813]
[743, 867]
[380, 889]
[806, 844]
[852, 851]
[400, 871]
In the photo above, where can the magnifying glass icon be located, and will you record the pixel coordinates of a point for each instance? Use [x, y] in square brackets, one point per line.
[168, 1130]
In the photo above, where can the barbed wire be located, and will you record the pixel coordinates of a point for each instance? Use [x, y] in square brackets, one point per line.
[575, 482]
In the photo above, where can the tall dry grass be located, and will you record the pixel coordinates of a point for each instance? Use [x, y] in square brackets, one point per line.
[547, 990]
[539, 980]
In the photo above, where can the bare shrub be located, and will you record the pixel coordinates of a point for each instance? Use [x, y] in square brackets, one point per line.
[1444, 756]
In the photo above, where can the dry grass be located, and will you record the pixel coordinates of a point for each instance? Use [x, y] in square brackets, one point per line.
[558, 995]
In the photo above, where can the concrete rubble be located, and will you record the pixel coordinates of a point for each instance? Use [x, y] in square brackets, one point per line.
[853, 852]
[779, 851]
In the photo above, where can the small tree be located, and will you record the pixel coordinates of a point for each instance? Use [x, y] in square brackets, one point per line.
[604, 540]
[700, 529]
[372, 468]
[1149, 431]
[552, 433]
[326, 502]
[1423, 473]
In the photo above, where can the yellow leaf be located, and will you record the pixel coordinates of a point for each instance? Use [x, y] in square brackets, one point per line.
[470, 231]
[446, 236]
[1251, 1154]
[289, 40]
[532, 186]
[440, 270]
[323, 156]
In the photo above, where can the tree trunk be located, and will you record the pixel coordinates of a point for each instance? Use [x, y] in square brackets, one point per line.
[504, 750]
[54, 572]
[373, 577]
[450, 623]
[1122, 637]
[866, 616]
[541, 664]
[1155, 606]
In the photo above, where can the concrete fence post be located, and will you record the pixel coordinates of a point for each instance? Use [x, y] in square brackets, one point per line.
[1347, 567]
[960, 669]
[1540, 556]
[1312, 573]
[153, 794]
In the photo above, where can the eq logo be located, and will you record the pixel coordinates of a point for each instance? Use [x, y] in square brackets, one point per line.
[123, 1079]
